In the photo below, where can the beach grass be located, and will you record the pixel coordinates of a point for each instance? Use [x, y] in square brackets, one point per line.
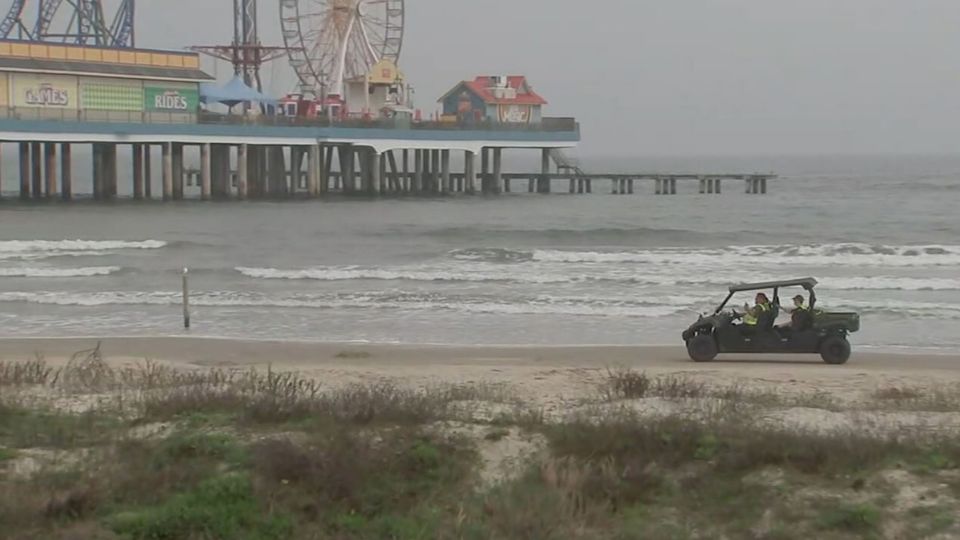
[153, 452]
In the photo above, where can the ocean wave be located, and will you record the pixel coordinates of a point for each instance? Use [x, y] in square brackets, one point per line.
[46, 272]
[533, 273]
[796, 255]
[401, 274]
[31, 250]
[678, 306]
[26, 246]
[405, 302]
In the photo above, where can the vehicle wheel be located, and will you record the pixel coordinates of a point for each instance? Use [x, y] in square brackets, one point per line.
[702, 348]
[835, 350]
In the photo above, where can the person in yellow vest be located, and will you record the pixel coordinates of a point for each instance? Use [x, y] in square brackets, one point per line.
[752, 315]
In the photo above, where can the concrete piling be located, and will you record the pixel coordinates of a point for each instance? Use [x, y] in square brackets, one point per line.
[470, 171]
[497, 180]
[138, 190]
[445, 171]
[50, 169]
[313, 171]
[66, 172]
[25, 183]
[147, 172]
[243, 163]
[36, 170]
[167, 171]
[205, 171]
[177, 170]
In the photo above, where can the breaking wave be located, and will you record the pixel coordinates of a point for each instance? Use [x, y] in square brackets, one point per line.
[639, 307]
[59, 272]
[798, 255]
[413, 302]
[41, 249]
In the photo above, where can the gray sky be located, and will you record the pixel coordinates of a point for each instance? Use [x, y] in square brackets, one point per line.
[674, 77]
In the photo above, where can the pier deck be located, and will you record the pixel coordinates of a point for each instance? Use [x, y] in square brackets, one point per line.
[275, 158]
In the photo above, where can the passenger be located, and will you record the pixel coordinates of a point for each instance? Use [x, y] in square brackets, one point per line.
[800, 315]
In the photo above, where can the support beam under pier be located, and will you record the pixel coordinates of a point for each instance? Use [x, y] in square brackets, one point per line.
[137, 171]
[66, 171]
[24, 171]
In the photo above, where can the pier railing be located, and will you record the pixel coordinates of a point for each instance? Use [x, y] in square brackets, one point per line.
[549, 124]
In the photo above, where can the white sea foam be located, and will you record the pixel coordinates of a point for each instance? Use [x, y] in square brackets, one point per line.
[47, 272]
[28, 246]
[403, 274]
[818, 255]
[653, 307]
[32, 250]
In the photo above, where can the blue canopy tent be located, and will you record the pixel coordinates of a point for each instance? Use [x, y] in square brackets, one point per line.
[233, 93]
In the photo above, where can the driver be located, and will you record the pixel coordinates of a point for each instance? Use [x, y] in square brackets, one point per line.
[751, 318]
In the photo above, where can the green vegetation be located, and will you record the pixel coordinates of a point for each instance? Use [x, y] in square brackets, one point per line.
[162, 454]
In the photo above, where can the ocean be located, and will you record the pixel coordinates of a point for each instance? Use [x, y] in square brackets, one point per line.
[882, 234]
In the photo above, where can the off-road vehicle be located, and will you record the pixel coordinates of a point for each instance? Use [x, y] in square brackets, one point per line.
[811, 331]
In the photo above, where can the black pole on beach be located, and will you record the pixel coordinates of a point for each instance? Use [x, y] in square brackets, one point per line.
[186, 298]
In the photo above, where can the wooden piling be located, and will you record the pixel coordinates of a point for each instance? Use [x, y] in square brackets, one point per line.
[445, 171]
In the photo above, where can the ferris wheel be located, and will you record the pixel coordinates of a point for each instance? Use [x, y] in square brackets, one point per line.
[332, 41]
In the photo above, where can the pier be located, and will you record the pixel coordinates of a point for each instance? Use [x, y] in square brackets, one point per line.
[156, 120]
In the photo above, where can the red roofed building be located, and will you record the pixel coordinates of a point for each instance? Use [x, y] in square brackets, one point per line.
[497, 99]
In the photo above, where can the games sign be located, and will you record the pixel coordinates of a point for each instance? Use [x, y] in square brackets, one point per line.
[44, 92]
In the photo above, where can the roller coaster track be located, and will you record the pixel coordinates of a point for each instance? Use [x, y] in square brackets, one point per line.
[48, 8]
[13, 19]
[87, 23]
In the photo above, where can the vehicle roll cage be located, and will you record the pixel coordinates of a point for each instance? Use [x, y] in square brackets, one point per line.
[808, 285]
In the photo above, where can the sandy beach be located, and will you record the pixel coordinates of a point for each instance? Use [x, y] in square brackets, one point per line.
[551, 376]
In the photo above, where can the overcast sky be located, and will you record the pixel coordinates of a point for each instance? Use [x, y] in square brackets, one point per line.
[675, 77]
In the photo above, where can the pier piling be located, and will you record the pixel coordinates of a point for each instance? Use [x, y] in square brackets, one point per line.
[50, 169]
[470, 171]
[137, 171]
[205, 171]
[147, 172]
[497, 170]
[243, 163]
[24, 171]
[36, 170]
[167, 171]
[177, 169]
[445, 171]
[66, 172]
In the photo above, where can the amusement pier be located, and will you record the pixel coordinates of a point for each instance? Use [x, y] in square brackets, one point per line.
[73, 80]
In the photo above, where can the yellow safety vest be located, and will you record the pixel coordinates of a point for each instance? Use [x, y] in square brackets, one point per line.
[751, 318]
